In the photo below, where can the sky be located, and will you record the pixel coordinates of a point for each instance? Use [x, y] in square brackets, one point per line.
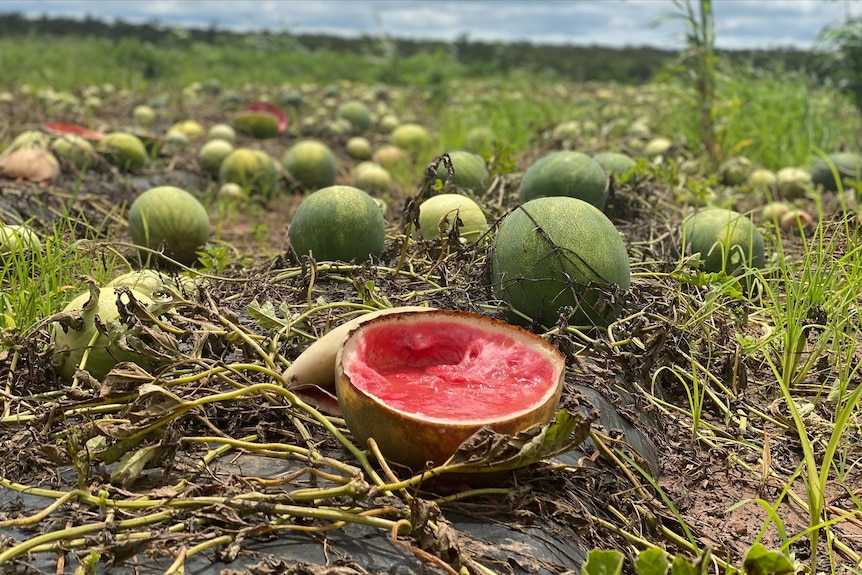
[739, 24]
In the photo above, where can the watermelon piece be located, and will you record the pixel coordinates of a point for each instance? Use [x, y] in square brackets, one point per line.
[63, 129]
[270, 109]
[420, 383]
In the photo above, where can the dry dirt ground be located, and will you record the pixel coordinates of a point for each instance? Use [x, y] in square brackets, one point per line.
[549, 514]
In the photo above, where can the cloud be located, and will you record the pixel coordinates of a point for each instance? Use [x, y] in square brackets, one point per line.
[615, 23]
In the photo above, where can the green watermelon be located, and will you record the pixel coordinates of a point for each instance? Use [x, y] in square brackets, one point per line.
[338, 223]
[848, 166]
[172, 219]
[565, 173]
[559, 251]
[726, 240]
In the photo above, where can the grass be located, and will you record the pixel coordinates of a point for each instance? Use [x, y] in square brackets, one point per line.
[798, 319]
[36, 283]
[813, 306]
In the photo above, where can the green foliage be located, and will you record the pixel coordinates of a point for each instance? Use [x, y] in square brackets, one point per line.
[842, 57]
[697, 64]
[65, 52]
[653, 561]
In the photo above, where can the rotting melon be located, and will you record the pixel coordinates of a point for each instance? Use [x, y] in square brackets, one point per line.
[437, 215]
[848, 166]
[555, 252]
[172, 219]
[726, 240]
[33, 164]
[338, 223]
[105, 351]
[312, 163]
[420, 383]
[565, 173]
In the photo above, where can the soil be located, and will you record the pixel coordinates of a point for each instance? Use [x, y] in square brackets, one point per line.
[718, 486]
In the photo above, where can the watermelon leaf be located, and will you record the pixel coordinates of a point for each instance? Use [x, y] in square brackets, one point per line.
[603, 562]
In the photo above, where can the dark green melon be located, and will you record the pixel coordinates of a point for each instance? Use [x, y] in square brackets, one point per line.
[170, 219]
[726, 240]
[848, 166]
[338, 223]
[565, 173]
[470, 171]
[559, 251]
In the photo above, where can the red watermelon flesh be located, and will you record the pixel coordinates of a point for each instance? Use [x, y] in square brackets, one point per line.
[420, 384]
[448, 371]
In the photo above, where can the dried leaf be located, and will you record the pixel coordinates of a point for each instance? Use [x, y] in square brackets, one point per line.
[487, 449]
[125, 378]
[154, 402]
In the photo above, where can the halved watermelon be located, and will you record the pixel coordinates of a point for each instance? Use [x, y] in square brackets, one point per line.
[270, 109]
[420, 383]
[63, 129]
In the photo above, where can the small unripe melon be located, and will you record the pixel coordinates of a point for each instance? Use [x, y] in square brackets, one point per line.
[565, 173]
[144, 115]
[359, 148]
[126, 151]
[438, 214]
[254, 170]
[357, 114]
[213, 153]
[726, 240]
[172, 219]
[792, 183]
[762, 178]
[371, 177]
[191, 128]
[15, 238]
[413, 138]
[615, 163]
[479, 140]
[312, 163]
[338, 223]
[734, 171]
[74, 148]
[222, 132]
[559, 251]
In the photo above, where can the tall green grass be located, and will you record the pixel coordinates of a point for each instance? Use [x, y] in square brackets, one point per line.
[66, 63]
[775, 119]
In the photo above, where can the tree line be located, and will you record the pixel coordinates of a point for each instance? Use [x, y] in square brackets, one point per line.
[629, 65]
